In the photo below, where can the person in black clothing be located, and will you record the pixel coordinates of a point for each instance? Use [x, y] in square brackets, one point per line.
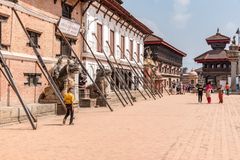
[200, 93]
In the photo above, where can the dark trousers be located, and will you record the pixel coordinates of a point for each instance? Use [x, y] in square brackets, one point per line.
[200, 97]
[70, 112]
[228, 92]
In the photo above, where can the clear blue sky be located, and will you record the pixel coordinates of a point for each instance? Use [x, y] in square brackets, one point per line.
[186, 23]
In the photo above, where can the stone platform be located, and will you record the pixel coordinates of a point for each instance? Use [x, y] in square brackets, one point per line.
[16, 113]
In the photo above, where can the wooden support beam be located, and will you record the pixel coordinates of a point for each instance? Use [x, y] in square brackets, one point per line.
[111, 16]
[122, 24]
[99, 8]
[128, 26]
[106, 13]
[118, 20]
[75, 4]
[89, 4]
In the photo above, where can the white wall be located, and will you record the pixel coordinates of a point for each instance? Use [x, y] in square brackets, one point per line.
[91, 19]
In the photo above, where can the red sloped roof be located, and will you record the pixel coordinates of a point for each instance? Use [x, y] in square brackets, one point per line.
[153, 39]
[212, 55]
[218, 38]
[174, 49]
[123, 13]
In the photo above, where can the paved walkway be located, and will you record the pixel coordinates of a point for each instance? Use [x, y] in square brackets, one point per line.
[172, 128]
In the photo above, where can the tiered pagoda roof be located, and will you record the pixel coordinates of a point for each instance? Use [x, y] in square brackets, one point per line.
[218, 43]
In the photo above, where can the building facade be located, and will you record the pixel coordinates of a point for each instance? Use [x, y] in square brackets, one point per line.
[111, 23]
[167, 59]
[216, 65]
[39, 19]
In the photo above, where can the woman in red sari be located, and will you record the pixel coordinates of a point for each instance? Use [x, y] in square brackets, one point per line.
[208, 92]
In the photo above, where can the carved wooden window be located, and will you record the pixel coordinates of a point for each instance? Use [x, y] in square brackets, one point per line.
[112, 41]
[34, 37]
[66, 10]
[33, 79]
[131, 50]
[99, 37]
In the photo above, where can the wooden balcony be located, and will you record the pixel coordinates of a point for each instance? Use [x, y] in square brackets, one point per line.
[218, 70]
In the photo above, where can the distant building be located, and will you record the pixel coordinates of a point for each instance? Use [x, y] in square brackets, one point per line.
[190, 78]
[167, 58]
[216, 65]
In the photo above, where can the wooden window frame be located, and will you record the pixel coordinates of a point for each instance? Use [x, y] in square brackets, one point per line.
[35, 38]
[64, 44]
[131, 49]
[67, 10]
[3, 19]
[112, 42]
[138, 52]
[99, 37]
[122, 46]
[33, 79]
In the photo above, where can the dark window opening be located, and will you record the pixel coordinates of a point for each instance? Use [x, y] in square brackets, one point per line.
[33, 79]
[66, 10]
[34, 37]
[3, 19]
[65, 49]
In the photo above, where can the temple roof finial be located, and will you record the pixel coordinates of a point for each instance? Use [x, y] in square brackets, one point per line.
[218, 30]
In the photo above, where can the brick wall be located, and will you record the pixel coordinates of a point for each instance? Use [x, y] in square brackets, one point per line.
[14, 36]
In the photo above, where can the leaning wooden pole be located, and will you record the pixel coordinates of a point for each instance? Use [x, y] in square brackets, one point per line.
[119, 64]
[138, 75]
[15, 90]
[155, 76]
[42, 64]
[82, 66]
[159, 94]
[116, 90]
[9, 78]
[132, 99]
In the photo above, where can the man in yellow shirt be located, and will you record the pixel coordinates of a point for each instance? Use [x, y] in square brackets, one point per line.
[68, 100]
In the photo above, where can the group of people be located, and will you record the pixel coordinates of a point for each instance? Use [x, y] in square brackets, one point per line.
[209, 90]
[179, 88]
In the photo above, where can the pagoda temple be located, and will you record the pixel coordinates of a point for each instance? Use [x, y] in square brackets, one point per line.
[216, 64]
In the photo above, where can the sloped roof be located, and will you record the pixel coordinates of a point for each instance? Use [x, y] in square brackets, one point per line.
[117, 8]
[212, 55]
[153, 39]
[218, 37]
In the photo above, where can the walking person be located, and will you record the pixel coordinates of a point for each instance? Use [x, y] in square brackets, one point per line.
[208, 92]
[220, 94]
[227, 88]
[68, 100]
[200, 93]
